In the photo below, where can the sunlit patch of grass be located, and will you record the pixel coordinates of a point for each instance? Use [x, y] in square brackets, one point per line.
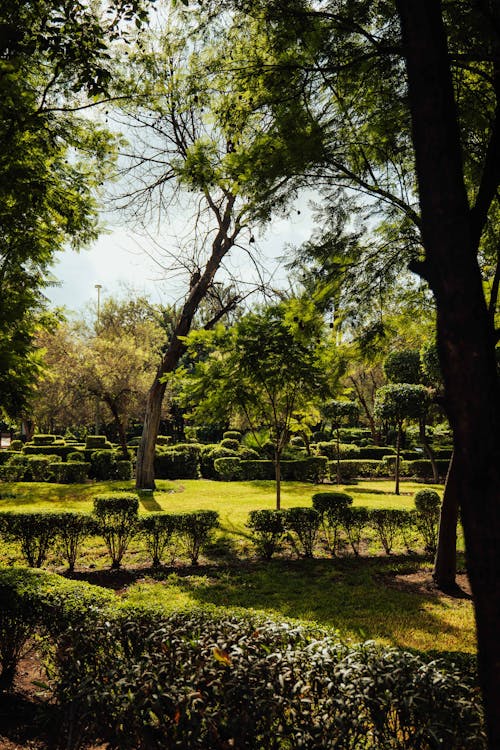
[354, 597]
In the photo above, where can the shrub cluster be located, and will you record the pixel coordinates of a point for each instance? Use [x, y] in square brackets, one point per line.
[311, 469]
[140, 680]
[181, 461]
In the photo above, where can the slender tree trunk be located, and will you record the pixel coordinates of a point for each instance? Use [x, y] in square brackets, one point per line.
[222, 244]
[398, 461]
[466, 339]
[445, 562]
[277, 473]
[338, 455]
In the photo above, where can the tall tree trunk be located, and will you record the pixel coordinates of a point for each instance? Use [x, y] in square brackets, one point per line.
[277, 474]
[445, 562]
[221, 245]
[398, 461]
[466, 340]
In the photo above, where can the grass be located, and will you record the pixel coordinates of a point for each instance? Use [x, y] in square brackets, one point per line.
[367, 597]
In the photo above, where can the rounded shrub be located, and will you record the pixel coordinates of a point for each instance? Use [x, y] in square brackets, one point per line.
[428, 508]
[268, 530]
[232, 435]
[233, 445]
[330, 506]
[195, 529]
[304, 524]
[157, 530]
[116, 516]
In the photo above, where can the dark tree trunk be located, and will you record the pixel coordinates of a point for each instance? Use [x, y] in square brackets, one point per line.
[445, 562]
[466, 340]
[398, 461]
[277, 473]
[145, 478]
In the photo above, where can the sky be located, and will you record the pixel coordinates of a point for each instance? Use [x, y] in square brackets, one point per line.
[120, 259]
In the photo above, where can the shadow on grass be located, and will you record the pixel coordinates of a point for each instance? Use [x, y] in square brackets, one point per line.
[147, 500]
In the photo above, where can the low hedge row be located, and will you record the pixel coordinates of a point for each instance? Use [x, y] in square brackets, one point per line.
[312, 469]
[101, 464]
[116, 520]
[140, 680]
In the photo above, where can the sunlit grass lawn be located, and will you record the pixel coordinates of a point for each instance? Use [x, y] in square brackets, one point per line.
[358, 597]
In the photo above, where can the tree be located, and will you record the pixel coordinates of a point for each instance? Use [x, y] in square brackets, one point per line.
[193, 149]
[340, 413]
[52, 56]
[397, 402]
[268, 367]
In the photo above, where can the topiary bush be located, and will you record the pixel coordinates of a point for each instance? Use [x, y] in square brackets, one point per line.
[232, 435]
[76, 456]
[329, 449]
[428, 508]
[179, 462]
[354, 523]
[156, 530]
[97, 442]
[388, 523]
[117, 520]
[71, 472]
[229, 469]
[233, 445]
[38, 468]
[34, 531]
[209, 454]
[304, 524]
[72, 529]
[330, 506]
[195, 530]
[268, 530]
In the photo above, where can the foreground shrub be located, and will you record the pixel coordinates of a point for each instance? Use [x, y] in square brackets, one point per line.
[34, 531]
[428, 507]
[157, 530]
[268, 530]
[117, 517]
[196, 530]
[304, 525]
[330, 506]
[140, 680]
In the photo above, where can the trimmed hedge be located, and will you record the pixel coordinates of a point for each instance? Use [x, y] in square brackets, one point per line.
[268, 529]
[137, 679]
[117, 520]
[311, 469]
[351, 469]
[329, 449]
[182, 461]
[71, 472]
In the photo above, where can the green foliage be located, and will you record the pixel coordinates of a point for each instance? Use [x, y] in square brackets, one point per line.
[35, 532]
[353, 468]
[331, 450]
[304, 525]
[70, 472]
[428, 507]
[403, 366]
[140, 678]
[72, 530]
[230, 468]
[232, 435]
[341, 413]
[376, 452]
[76, 456]
[106, 464]
[354, 522]
[117, 518]
[157, 530]
[39, 439]
[195, 531]
[182, 461]
[395, 403]
[330, 506]
[268, 530]
[97, 442]
[230, 443]
[387, 522]
[209, 454]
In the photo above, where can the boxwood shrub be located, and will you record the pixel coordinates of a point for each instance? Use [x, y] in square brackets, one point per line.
[71, 472]
[330, 506]
[195, 530]
[268, 530]
[345, 450]
[34, 531]
[157, 530]
[303, 523]
[208, 455]
[117, 520]
[182, 461]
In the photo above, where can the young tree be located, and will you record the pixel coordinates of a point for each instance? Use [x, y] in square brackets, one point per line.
[340, 413]
[270, 366]
[397, 403]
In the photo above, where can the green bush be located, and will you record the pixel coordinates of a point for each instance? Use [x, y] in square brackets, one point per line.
[388, 522]
[376, 452]
[229, 469]
[157, 530]
[16, 445]
[354, 523]
[71, 472]
[257, 469]
[310, 469]
[247, 454]
[75, 456]
[304, 525]
[97, 442]
[40, 439]
[422, 468]
[195, 530]
[233, 445]
[428, 508]
[34, 531]
[209, 454]
[320, 436]
[117, 518]
[123, 470]
[267, 530]
[354, 468]
[135, 678]
[59, 449]
[232, 435]
[179, 462]
[330, 506]
[345, 450]
[38, 468]
[72, 530]
[103, 464]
